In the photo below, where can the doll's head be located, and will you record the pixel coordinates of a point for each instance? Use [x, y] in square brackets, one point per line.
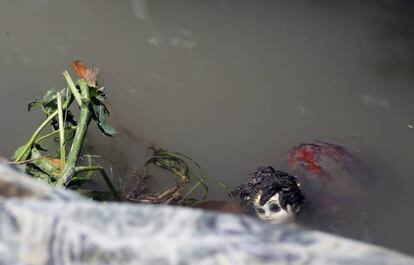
[272, 195]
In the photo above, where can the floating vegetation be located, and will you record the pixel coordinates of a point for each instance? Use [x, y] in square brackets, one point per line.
[65, 168]
[61, 169]
[186, 172]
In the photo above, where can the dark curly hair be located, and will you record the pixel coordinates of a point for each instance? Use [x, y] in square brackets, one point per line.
[269, 181]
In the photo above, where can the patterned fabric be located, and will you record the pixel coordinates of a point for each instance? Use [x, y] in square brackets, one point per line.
[41, 225]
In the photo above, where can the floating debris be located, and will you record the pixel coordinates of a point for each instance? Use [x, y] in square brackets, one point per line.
[64, 170]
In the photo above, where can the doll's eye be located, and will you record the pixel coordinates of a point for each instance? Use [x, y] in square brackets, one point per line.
[274, 207]
[260, 211]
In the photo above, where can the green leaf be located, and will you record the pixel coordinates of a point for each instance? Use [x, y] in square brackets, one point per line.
[38, 173]
[28, 152]
[19, 152]
[48, 165]
[35, 153]
[48, 103]
[101, 114]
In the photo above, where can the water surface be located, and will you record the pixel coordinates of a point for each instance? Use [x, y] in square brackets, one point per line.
[234, 84]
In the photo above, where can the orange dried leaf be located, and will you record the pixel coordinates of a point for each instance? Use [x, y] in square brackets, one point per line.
[89, 74]
[80, 68]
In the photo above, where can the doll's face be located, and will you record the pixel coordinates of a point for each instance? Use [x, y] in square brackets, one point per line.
[272, 212]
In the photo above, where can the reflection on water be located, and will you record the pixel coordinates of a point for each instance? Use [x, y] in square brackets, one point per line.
[234, 84]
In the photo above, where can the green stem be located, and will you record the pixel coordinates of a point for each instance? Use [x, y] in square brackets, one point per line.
[44, 137]
[85, 118]
[61, 130]
[224, 186]
[104, 175]
[192, 189]
[72, 88]
[29, 144]
[32, 139]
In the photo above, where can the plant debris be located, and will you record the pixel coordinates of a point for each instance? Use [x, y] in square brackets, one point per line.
[63, 168]
[185, 171]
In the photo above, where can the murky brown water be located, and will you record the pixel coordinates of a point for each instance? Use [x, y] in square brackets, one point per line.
[233, 84]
